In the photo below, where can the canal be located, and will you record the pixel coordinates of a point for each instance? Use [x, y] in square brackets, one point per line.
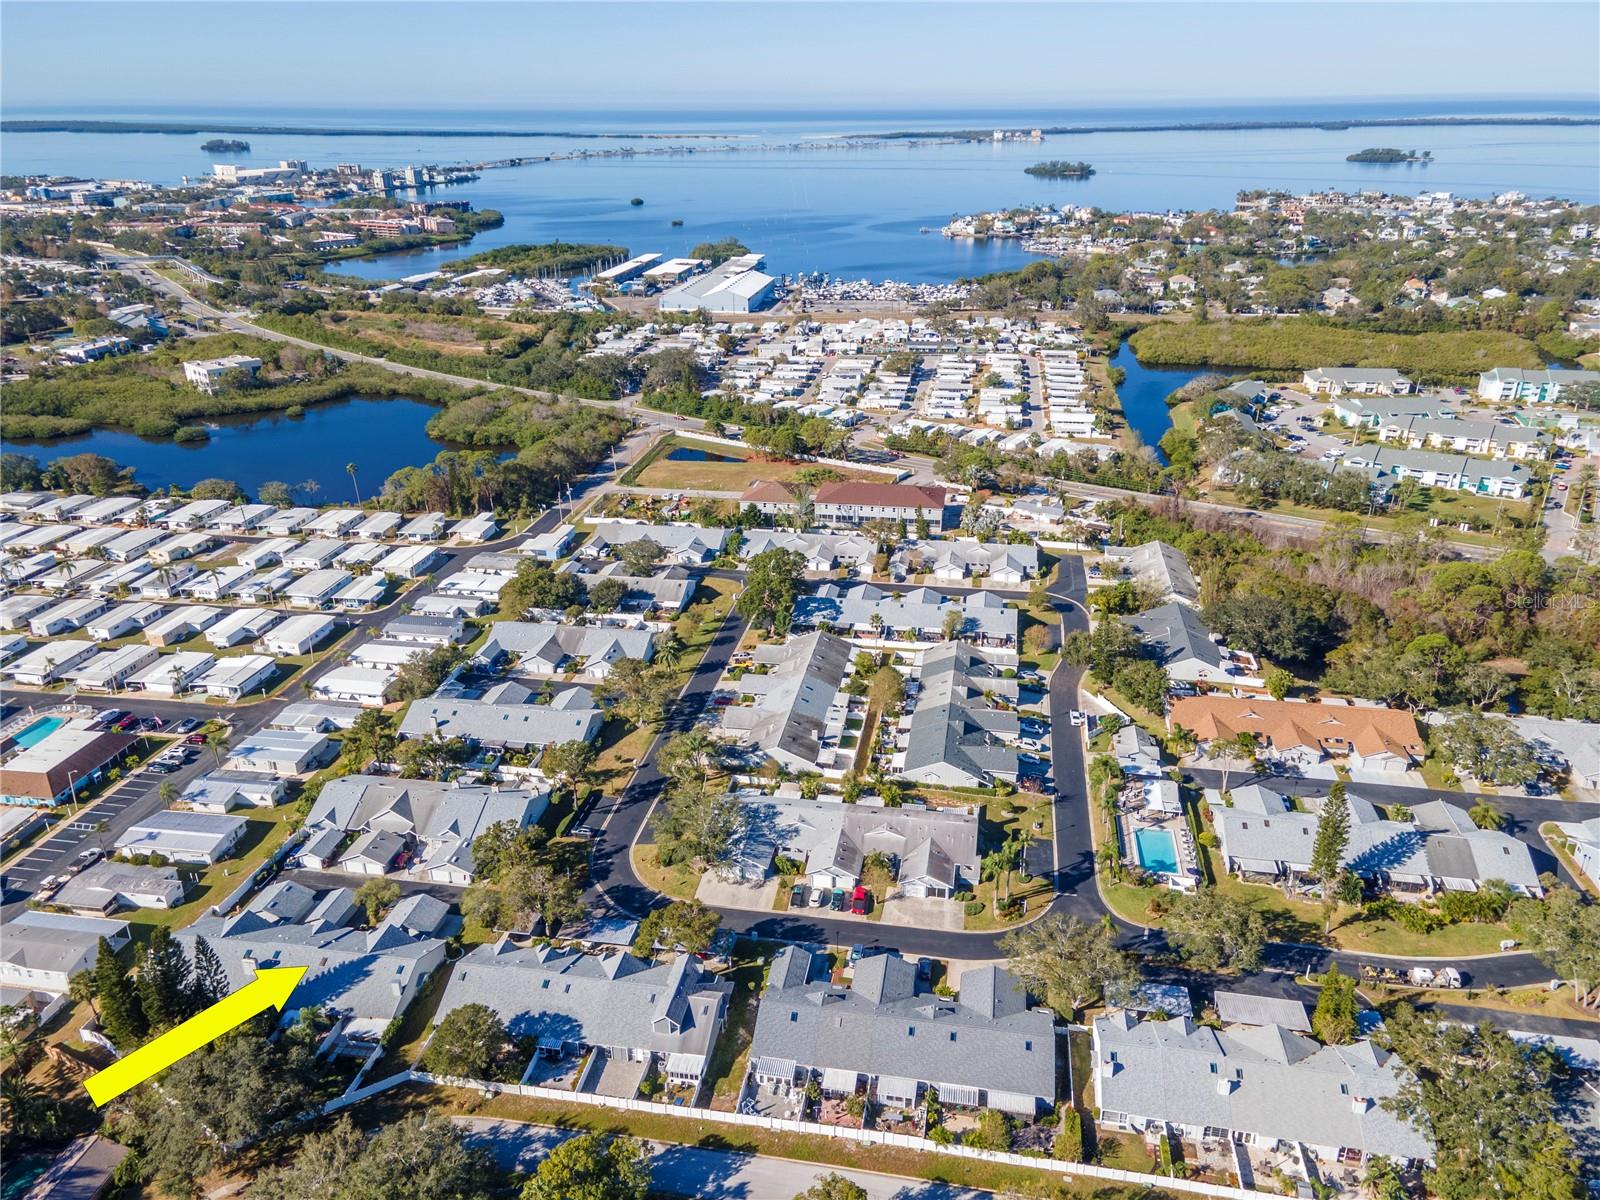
[1144, 391]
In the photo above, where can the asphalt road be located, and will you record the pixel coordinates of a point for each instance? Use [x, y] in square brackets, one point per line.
[621, 821]
[138, 797]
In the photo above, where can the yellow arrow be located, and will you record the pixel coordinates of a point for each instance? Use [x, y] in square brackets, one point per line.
[269, 989]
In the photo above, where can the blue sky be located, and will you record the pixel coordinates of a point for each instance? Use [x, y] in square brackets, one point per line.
[774, 54]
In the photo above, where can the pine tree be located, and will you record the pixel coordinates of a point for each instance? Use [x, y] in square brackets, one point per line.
[1335, 1020]
[1333, 835]
[165, 981]
[121, 1014]
[210, 979]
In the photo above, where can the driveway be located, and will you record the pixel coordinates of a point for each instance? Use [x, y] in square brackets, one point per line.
[717, 892]
[924, 913]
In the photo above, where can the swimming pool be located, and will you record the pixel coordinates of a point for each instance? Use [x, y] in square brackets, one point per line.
[38, 731]
[1157, 850]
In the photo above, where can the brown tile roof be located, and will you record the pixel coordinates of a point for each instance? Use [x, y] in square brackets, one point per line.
[881, 495]
[1282, 724]
[768, 491]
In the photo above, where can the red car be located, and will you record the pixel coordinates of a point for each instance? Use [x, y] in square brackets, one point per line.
[195, 739]
[861, 901]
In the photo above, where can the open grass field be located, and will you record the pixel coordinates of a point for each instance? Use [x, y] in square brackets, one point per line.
[725, 469]
[1295, 345]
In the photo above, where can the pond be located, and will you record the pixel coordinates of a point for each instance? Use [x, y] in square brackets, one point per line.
[378, 435]
[689, 454]
[1144, 391]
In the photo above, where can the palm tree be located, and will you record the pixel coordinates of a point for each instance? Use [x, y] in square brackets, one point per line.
[350, 470]
[29, 1112]
[217, 738]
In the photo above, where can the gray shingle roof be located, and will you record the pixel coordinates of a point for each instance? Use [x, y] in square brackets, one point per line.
[793, 698]
[952, 725]
[615, 1000]
[1161, 567]
[883, 1026]
[370, 974]
[1265, 1080]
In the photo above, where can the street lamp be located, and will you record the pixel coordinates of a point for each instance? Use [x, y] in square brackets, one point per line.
[72, 787]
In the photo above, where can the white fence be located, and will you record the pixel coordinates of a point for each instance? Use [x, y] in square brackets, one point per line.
[865, 1137]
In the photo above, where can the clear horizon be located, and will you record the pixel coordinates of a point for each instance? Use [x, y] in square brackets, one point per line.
[788, 57]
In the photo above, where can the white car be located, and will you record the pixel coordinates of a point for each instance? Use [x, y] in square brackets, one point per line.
[1077, 717]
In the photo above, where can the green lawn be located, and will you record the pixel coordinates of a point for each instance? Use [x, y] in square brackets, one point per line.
[655, 469]
[1018, 1181]
[680, 881]
[266, 830]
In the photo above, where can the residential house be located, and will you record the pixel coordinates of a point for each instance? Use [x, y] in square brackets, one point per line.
[42, 951]
[1367, 381]
[852, 503]
[626, 1009]
[876, 616]
[225, 789]
[234, 678]
[1265, 1087]
[685, 545]
[298, 635]
[933, 852]
[436, 821]
[507, 716]
[823, 551]
[1189, 652]
[281, 752]
[108, 886]
[890, 1037]
[1161, 568]
[45, 664]
[367, 977]
[958, 736]
[1301, 734]
[1438, 849]
[181, 836]
[550, 649]
[966, 558]
[366, 686]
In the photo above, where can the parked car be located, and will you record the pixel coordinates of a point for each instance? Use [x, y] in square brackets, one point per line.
[123, 724]
[89, 857]
[819, 897]
[861, 901]
[109, 715]
[1077, 716]
[840, 899]
[195, 739]
[797, 896]
[187, 725]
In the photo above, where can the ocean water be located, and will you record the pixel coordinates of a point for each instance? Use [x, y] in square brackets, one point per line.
[845, 210]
